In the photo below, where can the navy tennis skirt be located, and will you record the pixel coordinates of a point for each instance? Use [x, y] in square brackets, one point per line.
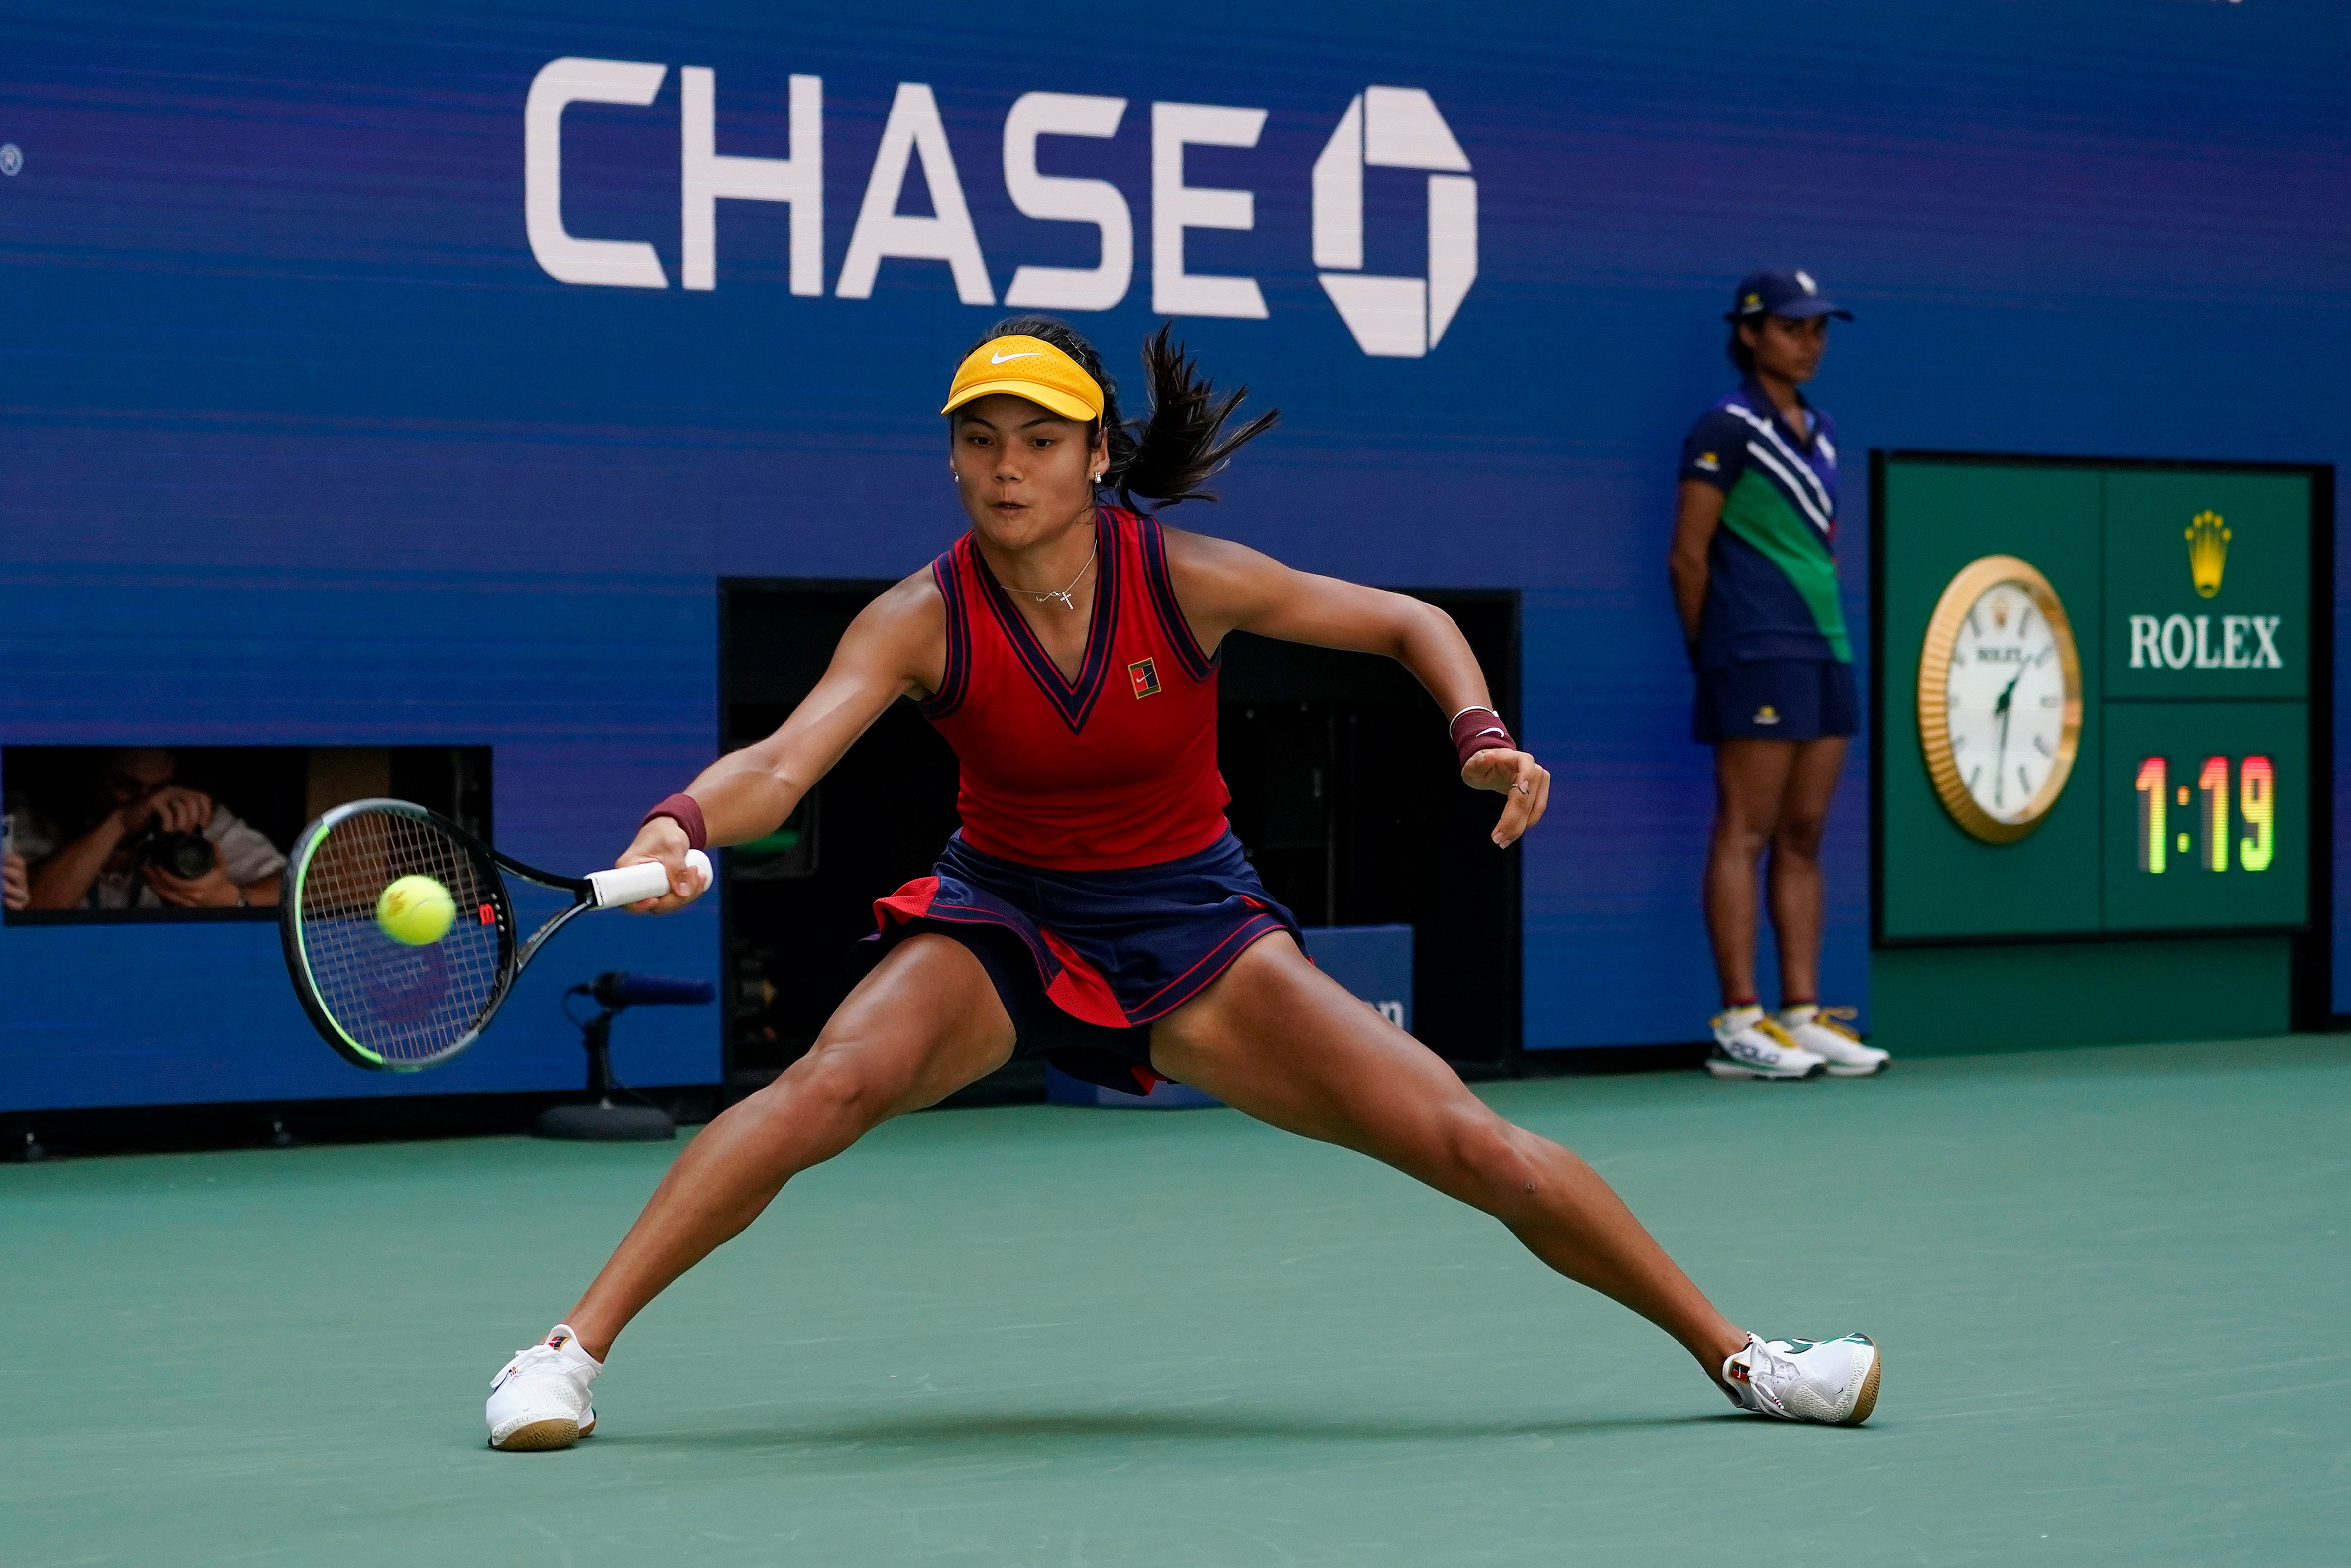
[1085, 962]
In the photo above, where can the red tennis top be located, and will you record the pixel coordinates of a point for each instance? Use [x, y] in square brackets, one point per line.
[1118, 769]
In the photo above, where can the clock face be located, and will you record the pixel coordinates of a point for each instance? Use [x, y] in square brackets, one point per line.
[2000, 698]
[2004, 697]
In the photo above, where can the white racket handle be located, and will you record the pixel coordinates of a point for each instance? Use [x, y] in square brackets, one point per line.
[635, 883]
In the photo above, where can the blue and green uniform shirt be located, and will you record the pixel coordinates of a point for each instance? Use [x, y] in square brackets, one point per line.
[1771, 582]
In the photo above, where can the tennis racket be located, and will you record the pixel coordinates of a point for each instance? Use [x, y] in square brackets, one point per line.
[392, 1008]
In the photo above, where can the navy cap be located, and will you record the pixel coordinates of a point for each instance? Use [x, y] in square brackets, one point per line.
[1790, 292]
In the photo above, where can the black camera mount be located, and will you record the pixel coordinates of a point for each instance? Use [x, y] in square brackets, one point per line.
[602, 1121]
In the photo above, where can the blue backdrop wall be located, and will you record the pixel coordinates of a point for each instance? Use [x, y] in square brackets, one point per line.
[306, 441]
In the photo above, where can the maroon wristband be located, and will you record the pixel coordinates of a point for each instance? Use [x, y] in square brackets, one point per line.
[686, 812]
[1480, 730]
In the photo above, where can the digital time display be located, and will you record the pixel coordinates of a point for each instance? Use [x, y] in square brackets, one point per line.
[2163, 837]
[2207, 815]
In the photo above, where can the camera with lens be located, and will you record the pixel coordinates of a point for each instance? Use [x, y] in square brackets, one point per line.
[184, 856]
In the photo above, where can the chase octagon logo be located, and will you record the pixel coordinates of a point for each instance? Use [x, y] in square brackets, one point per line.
[1395, 128]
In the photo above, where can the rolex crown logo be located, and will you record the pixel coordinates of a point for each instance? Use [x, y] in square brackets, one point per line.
[2207, 551]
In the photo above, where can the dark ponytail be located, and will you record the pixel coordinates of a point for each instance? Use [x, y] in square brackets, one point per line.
[1168, 456]
[1742, 358]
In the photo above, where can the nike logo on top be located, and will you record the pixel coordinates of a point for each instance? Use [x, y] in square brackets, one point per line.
[1026, 354]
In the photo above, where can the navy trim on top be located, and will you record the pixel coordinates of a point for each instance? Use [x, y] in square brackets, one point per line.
[1073, 702]
[958, 674]
[1198, 665]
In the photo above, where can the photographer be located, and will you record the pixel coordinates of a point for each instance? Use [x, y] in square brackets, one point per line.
[156, 846]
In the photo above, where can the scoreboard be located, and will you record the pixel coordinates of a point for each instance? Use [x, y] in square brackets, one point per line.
[2100, 737]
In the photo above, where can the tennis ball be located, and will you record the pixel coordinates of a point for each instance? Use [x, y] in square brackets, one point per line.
[416, 911]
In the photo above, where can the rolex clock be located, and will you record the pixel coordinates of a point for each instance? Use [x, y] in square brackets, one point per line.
[2000, 698]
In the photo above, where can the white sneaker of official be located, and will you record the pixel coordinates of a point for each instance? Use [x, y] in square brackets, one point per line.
[1822, 1031]
[542, 1399]
[1748, 1045]
[1833, 1380]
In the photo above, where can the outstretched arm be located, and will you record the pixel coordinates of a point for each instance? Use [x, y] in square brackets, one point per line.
[897, 647]
[1224, 587]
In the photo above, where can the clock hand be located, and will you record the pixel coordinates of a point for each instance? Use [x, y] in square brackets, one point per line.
[2000, 708]
[1999, 763]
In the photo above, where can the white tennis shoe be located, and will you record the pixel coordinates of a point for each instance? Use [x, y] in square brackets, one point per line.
[1822, 1031]
[1748, 1045]
[1833, 1380]
[542, 1399]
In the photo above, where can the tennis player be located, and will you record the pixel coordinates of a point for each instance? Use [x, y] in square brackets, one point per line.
[1095, 907]
[1754, 575]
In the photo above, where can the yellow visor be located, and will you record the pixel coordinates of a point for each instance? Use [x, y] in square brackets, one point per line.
[1030, 368]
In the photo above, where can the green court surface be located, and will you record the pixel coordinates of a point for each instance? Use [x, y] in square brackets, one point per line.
[2111, 1285]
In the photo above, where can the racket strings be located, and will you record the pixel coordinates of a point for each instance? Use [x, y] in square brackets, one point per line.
[404, 1005]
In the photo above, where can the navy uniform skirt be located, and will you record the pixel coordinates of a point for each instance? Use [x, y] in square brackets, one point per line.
[1775, 699]
[1085, 962]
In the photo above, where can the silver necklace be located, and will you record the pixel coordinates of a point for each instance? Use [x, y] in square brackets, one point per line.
[1067, 602]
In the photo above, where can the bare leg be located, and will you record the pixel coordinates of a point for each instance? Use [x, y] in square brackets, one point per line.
[1279, 1040]
[925, 1022]
[1750, 776]
[1799, 898]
